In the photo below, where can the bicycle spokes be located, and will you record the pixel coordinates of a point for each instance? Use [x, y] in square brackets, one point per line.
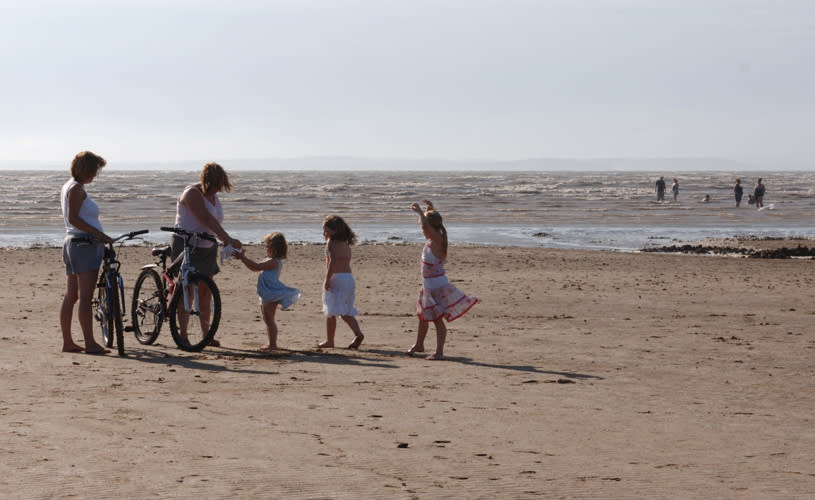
[195, 313]
[147, 309]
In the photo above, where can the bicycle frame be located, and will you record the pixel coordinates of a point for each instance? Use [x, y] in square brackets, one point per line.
[187, 269]
[111, 280]
[110, 273]
[176, 292]
[165, 274]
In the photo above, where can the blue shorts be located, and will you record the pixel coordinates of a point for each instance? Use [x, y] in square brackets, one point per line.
[82, 255]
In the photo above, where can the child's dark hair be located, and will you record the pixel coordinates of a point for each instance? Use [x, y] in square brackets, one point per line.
[435, 221]
[277, 242]
[341, 230]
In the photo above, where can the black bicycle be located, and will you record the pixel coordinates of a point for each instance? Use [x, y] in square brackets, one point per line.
[108, 306]
[190, 299]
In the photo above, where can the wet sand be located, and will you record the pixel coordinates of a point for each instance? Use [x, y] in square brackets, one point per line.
[580, 374]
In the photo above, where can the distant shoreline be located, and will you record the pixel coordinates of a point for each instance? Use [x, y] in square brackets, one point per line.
[740, 246]
[354, 164]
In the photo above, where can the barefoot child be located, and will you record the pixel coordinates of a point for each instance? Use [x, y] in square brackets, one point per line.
[271, 291]
[338, 296]
[438, 299]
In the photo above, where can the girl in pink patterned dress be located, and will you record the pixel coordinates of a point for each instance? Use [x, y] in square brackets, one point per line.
[438, 299]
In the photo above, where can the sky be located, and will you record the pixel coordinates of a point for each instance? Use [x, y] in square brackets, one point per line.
[184, 80]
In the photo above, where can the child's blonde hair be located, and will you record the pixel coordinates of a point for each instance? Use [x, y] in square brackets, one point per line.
[277, 242]
[342, 232]
[435, 221]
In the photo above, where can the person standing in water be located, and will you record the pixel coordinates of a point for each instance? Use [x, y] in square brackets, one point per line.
[659, 187]
[758, 194]
[738, 192]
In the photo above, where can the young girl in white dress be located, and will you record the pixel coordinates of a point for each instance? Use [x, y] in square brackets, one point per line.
[340, 287]
[270, 289]
[439, 300]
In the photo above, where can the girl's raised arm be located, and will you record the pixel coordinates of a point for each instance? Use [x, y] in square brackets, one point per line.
[422, 219]
[430, 232]
[250, 264]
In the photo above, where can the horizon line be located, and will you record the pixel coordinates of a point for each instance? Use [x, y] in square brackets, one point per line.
[356, 163]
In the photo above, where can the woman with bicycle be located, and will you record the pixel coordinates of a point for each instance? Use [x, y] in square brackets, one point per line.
[82, 251]
[199, 210]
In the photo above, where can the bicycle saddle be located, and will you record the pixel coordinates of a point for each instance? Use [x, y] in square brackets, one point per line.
[165, 251]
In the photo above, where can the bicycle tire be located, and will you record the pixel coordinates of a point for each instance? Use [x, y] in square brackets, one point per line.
[148, 307]
[103, 316]
[194, 339]
[116, 315]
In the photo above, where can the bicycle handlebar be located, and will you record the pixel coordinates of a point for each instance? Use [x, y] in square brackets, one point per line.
[130, 235]
[183, 232]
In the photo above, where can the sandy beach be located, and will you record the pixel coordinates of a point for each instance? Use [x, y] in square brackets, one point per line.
[580, 374]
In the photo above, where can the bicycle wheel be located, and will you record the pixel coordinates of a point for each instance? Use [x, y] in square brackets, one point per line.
[194, 329]
[116, 314]
[147, 310]
[101, 312]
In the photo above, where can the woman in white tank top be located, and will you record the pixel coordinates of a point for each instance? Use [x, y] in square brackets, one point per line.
[82, 251]
[199, 210]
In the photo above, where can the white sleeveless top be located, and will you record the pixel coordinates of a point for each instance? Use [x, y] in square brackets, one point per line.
[186, 220]
[89, 211]
[433, 274]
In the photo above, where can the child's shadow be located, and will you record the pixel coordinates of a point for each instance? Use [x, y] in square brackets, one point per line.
[468, 361]
[340, 357]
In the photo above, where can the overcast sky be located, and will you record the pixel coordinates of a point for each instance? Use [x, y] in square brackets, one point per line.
[461, 79]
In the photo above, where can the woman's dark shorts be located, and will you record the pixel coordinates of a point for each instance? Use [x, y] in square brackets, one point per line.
[205, 260]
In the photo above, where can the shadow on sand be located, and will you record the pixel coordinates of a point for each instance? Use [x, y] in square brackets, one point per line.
[212, 360]
[468, 361]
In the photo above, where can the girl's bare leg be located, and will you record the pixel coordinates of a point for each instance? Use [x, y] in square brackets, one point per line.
[268, 311]
[330, 329]
[352, 322]
[421, 333]
[441, 336]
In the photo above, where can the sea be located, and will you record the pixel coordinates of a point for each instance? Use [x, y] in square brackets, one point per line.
[614, 210]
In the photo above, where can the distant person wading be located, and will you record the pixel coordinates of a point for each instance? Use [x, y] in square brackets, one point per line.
[738, 191]
[659, 187]
[758, 194]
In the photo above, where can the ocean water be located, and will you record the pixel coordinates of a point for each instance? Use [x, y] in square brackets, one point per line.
[585, 210]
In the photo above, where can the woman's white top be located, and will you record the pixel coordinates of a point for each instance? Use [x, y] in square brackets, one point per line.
[89, 211]
[186, 220]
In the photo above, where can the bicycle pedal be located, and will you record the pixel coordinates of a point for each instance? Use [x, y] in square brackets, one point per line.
[129, 329]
